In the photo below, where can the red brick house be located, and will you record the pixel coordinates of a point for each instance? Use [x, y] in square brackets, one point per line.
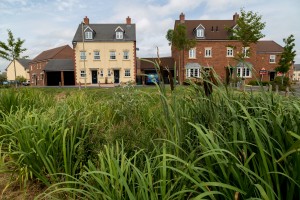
[38, 77]
[215, 50]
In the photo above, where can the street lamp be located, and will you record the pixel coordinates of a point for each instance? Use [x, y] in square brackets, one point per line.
[82, 24]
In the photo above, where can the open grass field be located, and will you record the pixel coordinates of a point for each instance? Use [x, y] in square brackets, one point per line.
[148, 143]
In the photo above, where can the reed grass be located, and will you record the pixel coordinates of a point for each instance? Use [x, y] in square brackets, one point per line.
[135, 144]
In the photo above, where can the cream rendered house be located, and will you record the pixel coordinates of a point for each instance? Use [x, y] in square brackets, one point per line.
[22, 69]
[105, 53]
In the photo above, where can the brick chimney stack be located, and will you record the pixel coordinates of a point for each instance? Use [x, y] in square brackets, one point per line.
[182, 18]
[128, 20]
[86, 20]
[235, 17]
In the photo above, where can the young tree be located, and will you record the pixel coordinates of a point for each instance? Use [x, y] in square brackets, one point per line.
[287, 56]
[12, 50]
[248, 30]
[178, 38]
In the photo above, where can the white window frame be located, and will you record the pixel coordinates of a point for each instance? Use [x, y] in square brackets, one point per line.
[246, 72]
[208, 52]
[119, 35]
[82, 73]
[109, 73]
[82, 55]
[96, 55]
[200, 33]
[127, 73]
[272, 59]
[125, 55]
[88, 35]
[192, 53]
[112, 55]
[193, 72]
[229, 52]
[246, 51]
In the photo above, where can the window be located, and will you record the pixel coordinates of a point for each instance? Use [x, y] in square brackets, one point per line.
[272, 58]
[246, 72]
[127, 72]
[208, 52]
[229, 52]
[88, 35]
[246, 51]
[119, 35]
[193, 72]
[109, 72]
[112, 55]
[82, 55]
[192, 53]
[101, 73]
[200, 33]
[96, 55]
[125, 55]
[82, 73]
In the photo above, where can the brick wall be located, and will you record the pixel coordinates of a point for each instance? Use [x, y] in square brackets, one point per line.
[219, 59]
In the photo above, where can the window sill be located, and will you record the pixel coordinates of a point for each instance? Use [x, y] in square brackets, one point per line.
[126, 59]
[127, 76]
[207, 56]
[97, 59]
[229, 56]
[112, 59]
[192, 58]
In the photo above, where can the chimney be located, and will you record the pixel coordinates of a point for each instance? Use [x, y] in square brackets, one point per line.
[128, 20]
[235, 17]
[86, 20]
[182, 18]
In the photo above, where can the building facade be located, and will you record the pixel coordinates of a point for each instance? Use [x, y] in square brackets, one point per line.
[38, 77]
[19, 68]
[105, 53]
[215, 50]
[296, 72]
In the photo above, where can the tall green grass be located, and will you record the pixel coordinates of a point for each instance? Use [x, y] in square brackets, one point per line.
[135, 144]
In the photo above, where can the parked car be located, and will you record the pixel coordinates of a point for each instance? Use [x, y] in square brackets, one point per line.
[152, 78]
[26, 83]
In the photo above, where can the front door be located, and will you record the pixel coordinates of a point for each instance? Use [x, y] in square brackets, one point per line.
[94, 77]
[272, 76]
[117, 76]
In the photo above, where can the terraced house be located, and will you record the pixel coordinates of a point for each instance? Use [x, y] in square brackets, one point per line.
[105, 53]
[215, 50]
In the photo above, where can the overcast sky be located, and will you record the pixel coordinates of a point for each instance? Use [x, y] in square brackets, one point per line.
[46, 24]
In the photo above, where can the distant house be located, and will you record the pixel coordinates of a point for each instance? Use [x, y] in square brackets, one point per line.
[146, 68]
[40, 77]
[215, 50]
[296, 74]
[21, 69]
[105, 53]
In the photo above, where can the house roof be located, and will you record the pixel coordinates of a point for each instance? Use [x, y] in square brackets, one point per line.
[296, 67]
[49, 54]
[268, 46]
[165, 62]
[106, 32]
[214, 29]
[25, 62]
[60, 65]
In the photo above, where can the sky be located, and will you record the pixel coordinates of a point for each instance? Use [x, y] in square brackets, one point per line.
[46, 24]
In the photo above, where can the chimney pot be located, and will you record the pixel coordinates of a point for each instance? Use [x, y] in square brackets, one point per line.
[86, 20]
[128, 20]
[182, 18]
[235, 17]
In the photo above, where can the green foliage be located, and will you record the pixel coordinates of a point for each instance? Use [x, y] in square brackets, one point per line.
[3, 77]
[21, 79]
[179, 38]
[287, 56]
[13, 49]
[249, 27]
[264, 83]
[129, 143]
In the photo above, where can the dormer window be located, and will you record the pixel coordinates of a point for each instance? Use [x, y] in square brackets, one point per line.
[88, 35]
[200, 33]
[119, 35]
